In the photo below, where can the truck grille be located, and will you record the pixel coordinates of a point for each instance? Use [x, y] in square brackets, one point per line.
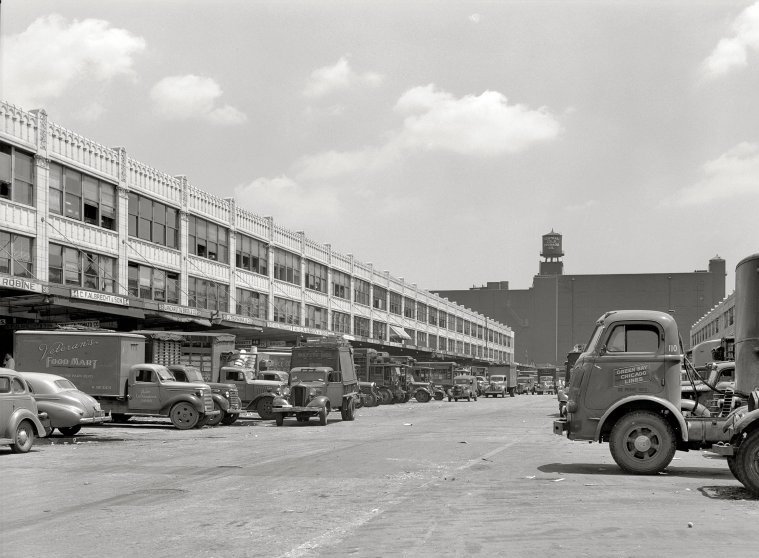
[234, 401]
[300, 396]
[208, 402]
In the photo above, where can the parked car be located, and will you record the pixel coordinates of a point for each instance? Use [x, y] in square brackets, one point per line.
[464, 387]
[67, 408]
[19, 420]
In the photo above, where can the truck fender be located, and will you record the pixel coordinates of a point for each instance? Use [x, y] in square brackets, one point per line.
[280, 402]
[319, 401]
[637, 398]
[26, 414]
[746, 422]
[253, 403]
[221, 401]
[191, 399]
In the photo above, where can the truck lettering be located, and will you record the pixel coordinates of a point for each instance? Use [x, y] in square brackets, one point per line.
[71, 362]
[630, 375]
[56, 348]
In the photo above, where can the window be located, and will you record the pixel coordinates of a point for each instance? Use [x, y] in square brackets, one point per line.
[252, 255]
[361, 293]
[442, 319]
[633, 338]
[341, 285]
[16, 175]
[379, 330]
[442, 343]
[153, 284]
[395, 303]
[16, 255]
[433, 316]
[421, 312]
[286, 311]
[432, 341]
[459, 325]
[207, 239]
[153, 221]
[379, 298]
[341, 322]
[207, 294]
[251, 303]
[72, 266]
[286, 266]
[82, 197]
[316, 276]
[361, 326]
[409, 308]
[421, 339]
[316, 317]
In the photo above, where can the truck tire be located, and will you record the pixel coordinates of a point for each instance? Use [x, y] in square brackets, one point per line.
[229, 418]
[387, 396]
[747, 463]
[511, 392]
[439, 396]
[280, 418]
[24, 437]
[422, 396]
[184, 416]
[733, 466]
[323, 412]
[70, 430]
[263, 408]
[216, 419]
[642, 443]
[348, 412]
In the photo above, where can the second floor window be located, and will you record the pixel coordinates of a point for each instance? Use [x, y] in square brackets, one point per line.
[286, 266]
[361, 326]
[316, 276]
[341, 285]
[361, 293]
[395, 303]
[316, 317]
[71, 266]
[153, 284]
[341, 322]
[82, 197]
[16, 175]
[251, 303]
[207, 239]
[16, 255]
[153, 221]
[251, 254]
[409, 308]
[286, 311]
[379, 298]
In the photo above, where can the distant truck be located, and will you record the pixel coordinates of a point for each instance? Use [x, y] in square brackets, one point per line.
[527, 381]
[503, 380]
[111, 367]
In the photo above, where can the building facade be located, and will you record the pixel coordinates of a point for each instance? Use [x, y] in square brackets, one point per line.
[88, 234]
[559, 311]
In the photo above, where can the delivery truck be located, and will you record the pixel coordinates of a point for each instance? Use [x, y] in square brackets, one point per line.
[110, 366]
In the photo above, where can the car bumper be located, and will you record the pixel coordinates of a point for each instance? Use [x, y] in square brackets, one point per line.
[291, 409]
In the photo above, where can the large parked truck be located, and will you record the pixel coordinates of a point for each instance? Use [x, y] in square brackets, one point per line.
[503, 380]
[625, 389]
[111, 367]
[439, 374]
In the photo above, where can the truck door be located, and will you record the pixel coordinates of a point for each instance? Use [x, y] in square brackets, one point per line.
[145, 391]
[630, 361]
[335, 388]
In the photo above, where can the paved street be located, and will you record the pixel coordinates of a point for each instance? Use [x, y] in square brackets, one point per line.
[485, 478]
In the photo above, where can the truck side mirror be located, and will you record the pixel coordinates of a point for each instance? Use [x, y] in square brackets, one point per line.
[602, 350]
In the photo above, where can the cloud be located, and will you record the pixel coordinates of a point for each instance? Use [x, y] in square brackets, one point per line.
[484, 125]
[330, 165]
[732, 52]
[192, 97]
[475, 18]
[341, 76]
[44, 61]
[289, 201]
[733, 174]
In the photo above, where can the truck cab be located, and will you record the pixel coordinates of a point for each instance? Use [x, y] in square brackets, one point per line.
[226, 399]
[256, 395]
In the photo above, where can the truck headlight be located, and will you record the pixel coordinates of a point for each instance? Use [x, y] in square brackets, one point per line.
[226, 394]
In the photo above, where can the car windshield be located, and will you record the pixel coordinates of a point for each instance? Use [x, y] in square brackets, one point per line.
[164, 374]
[307, 375]
[63, 384]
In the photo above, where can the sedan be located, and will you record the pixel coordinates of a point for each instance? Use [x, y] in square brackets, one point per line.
[67, 408]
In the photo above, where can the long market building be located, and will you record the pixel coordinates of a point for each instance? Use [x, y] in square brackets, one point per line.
[91, 236]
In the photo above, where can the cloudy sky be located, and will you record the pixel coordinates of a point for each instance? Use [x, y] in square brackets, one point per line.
[436, 140]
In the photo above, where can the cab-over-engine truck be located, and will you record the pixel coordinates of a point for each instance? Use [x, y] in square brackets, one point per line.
[625, 389]
[110, 366]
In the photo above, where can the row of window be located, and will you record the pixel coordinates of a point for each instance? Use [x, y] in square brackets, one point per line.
[16, 175]
[82, 197]
[16, 255]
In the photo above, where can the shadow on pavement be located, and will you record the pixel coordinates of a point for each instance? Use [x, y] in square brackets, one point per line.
[610, 469]
[727, 493]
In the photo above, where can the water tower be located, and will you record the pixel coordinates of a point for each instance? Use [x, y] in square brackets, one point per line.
[551, 254]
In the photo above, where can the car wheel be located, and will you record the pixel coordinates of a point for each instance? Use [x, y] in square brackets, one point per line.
[24, 437]
[69, 430]
[323, 412]
[747, 463]
[263, 408]
[184, 416]
[642, 443]
[439, 396]
[216, 419]
[280, 418]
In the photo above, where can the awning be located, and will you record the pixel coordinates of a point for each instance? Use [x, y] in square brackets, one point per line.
[100, 308]
[180, 318]
[400, 332]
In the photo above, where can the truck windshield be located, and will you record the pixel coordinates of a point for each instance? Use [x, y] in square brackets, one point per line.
[496, 378]
[594, 337]
[164, 374]
[308, 375]
[461, 380]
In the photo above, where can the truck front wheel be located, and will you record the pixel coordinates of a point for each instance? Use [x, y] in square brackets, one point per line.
[263, 408]
[323, 412]
[642, 443]
[184, 416]
[747, 463]
[216, 419]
